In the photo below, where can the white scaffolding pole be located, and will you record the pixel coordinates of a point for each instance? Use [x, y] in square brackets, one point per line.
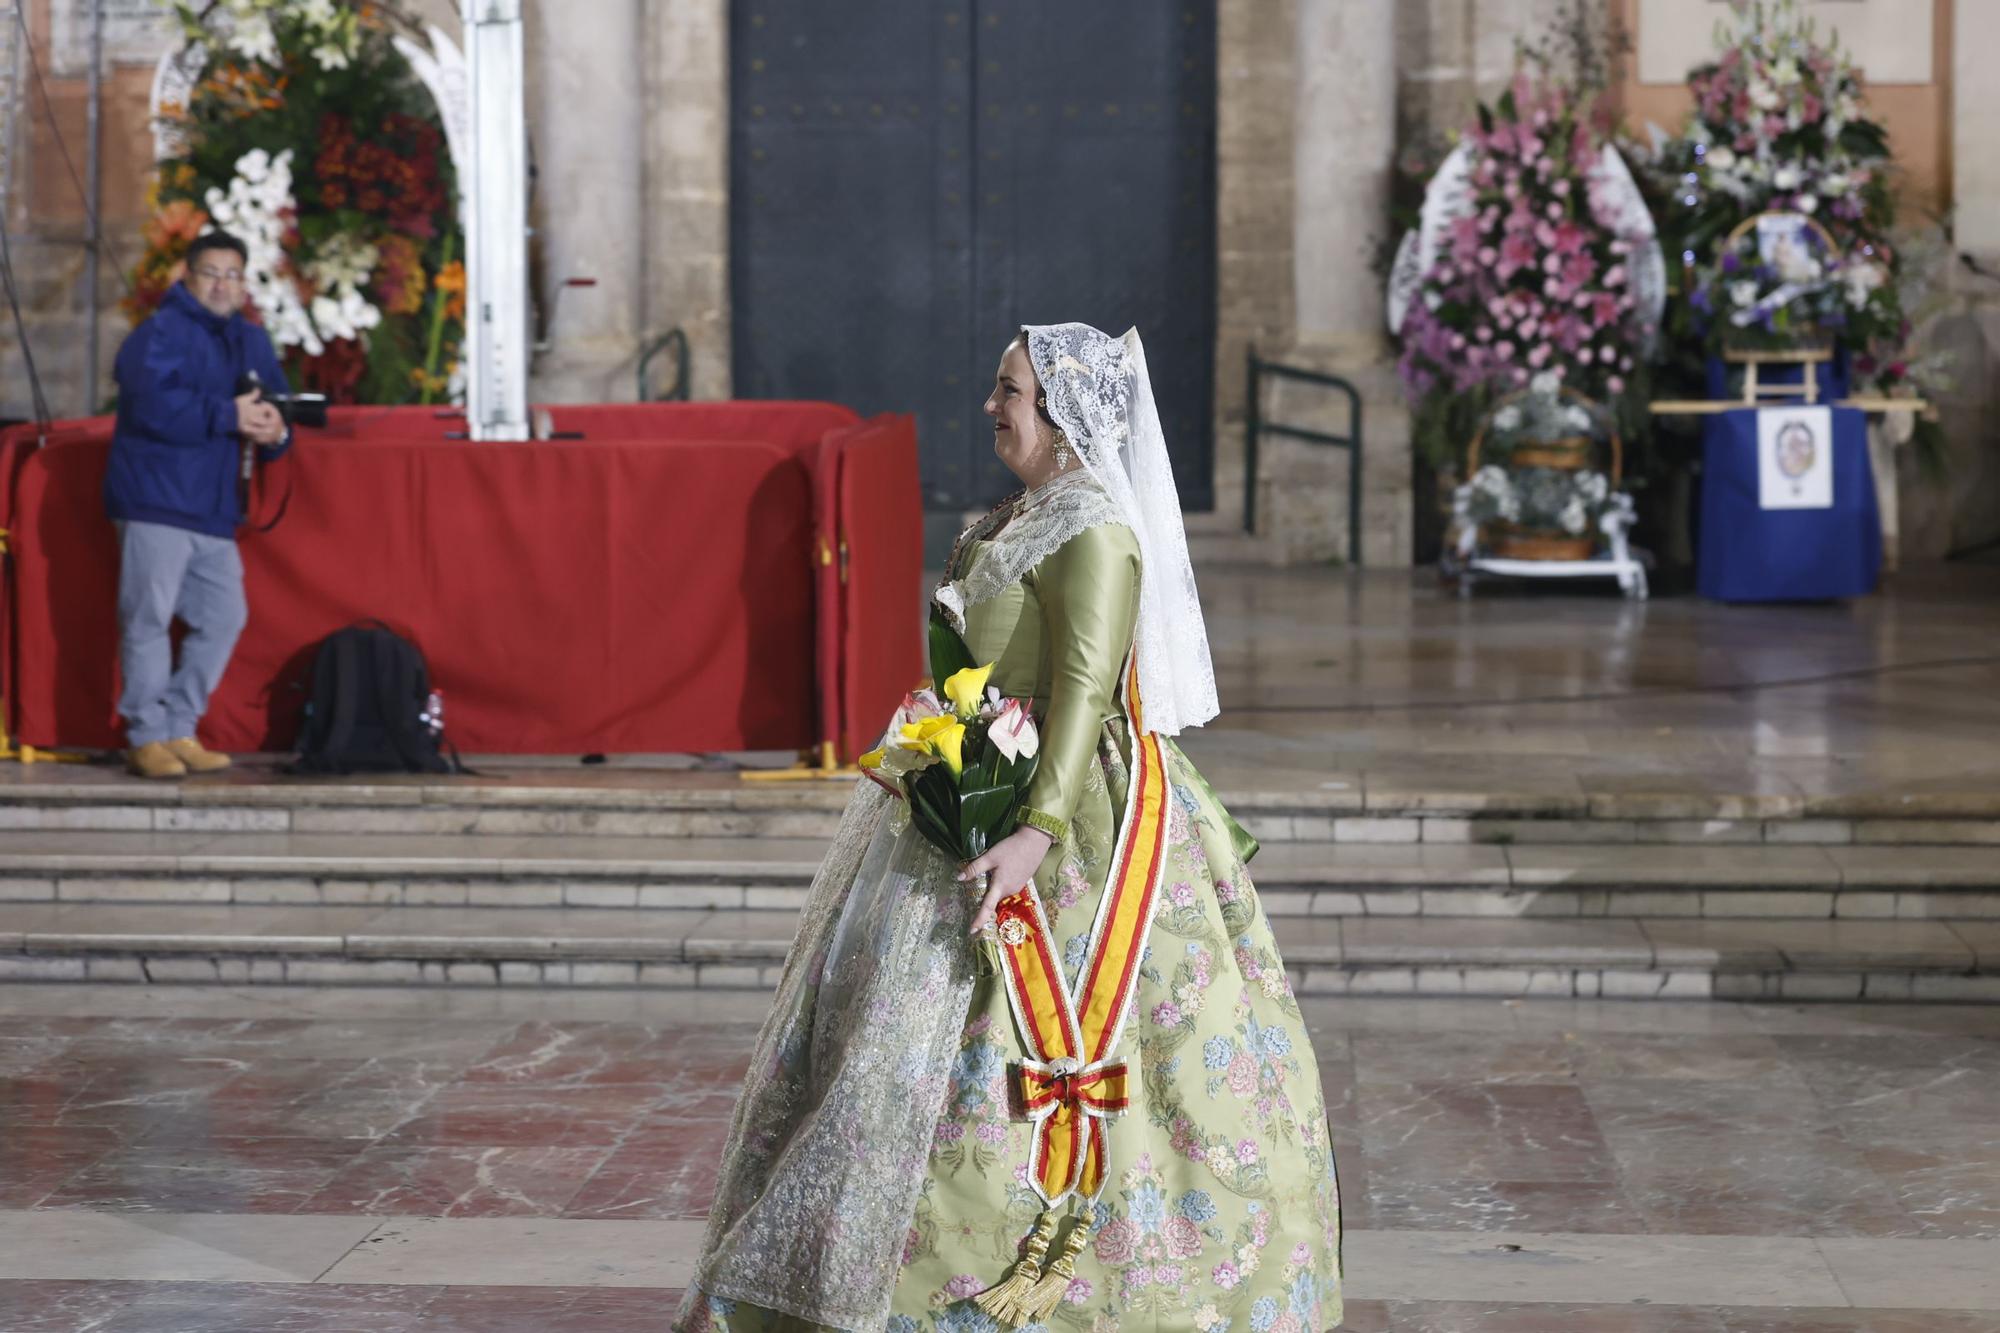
[496, 236]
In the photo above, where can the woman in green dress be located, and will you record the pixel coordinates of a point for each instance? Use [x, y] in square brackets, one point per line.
[930, 1143]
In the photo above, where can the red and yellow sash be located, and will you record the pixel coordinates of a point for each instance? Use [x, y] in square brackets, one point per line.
[1069, 1080]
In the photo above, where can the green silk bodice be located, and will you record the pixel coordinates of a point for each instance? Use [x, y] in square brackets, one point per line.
[1059, 636]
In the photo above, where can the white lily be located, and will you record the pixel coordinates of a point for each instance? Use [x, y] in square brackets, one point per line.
[1013, 732]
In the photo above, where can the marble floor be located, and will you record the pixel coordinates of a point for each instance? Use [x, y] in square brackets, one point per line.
[1324, 675]
[1337, 681]
[213, 1160]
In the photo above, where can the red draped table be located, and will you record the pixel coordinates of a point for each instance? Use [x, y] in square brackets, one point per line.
[711, 576]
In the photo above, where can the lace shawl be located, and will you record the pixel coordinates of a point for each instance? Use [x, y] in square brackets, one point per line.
[1042, 521]
[831, 1140]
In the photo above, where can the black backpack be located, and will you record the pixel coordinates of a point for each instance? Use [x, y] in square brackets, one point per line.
[368, 709]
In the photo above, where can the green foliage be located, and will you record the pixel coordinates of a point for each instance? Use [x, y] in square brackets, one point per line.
[949, 655]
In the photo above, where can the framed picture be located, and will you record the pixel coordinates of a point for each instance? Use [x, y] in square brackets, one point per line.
[1795, 458]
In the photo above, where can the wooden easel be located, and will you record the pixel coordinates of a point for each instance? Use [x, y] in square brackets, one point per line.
[1809, 359]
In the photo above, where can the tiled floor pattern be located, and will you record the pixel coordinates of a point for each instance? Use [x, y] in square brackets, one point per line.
[221, 1160]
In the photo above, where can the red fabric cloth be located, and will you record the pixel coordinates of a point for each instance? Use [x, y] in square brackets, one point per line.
[880, 563]
[647, 588]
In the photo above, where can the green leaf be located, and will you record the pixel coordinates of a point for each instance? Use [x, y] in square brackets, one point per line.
[936, 834]
[934, 810]
[949, 655]
[986, 809]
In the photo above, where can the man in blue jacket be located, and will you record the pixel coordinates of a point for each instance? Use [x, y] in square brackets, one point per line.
[172, 489]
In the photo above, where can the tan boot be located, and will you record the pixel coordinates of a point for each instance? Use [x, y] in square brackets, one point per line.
[198, 760]
[155, 760]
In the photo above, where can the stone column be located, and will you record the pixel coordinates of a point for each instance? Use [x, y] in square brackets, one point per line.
[1964, 513]
[1344, 142]
[686, 186]
[1255, 69]
[586, 118]
[1975, 111]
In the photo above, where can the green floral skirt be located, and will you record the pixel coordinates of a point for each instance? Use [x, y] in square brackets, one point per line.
[1221, 1210]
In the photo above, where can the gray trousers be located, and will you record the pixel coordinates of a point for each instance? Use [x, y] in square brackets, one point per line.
[164, 572]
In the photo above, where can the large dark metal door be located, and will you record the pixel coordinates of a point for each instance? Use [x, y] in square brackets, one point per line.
[911, 179]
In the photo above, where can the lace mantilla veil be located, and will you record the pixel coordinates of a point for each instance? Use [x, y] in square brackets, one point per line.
[831, 1138]
[1101, 396]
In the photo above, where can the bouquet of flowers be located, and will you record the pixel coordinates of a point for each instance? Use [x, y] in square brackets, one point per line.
[963, 763]
[1541, 481]
[1783, 287]
[1538, 498]
[1779, 125]
[1536, 274]
[307, 134]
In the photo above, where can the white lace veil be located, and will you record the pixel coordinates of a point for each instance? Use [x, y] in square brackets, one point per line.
[1100, 394]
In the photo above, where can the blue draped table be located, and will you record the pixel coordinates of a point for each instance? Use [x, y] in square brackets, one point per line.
[1752, 554]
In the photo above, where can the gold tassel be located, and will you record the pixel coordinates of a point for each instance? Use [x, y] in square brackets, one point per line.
[1004, 1299]
[1048, 1293]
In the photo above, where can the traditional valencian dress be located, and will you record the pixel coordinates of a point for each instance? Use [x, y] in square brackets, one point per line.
[1112, 1111]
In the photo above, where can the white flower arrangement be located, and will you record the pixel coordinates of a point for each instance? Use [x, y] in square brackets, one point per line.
[1546, 498]
[254, 210]
[249, 29]
[257, 209]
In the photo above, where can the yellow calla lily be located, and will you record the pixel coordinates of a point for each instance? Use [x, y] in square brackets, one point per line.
[967, 688]
[948, 744]
[925, 731]
[871, 760]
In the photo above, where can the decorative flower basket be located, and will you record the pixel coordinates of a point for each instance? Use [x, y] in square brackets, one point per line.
[1542, 496]
[1570, 452]
[1510, 541]
[1568, 455]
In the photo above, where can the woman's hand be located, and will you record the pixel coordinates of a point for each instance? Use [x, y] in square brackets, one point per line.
[1009, 863]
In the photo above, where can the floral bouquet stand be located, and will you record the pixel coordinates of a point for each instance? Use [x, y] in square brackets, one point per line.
[1538, 507]
[1777, 296]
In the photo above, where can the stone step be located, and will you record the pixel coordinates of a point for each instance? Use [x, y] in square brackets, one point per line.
[1298, 879]
[706, 805]
[1643, 957]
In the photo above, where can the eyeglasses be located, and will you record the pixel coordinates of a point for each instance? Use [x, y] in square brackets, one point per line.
[234, 277]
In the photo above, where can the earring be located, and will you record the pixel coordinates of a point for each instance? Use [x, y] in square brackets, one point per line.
[1062, 451]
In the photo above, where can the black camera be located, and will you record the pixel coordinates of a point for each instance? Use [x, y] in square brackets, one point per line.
[297, 409]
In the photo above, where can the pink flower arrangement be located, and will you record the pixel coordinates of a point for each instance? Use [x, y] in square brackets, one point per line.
[1534, 277]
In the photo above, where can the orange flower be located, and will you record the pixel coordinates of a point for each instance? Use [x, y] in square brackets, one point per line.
[399, 275]
[175, 226]
[245, 90]
[451, 281]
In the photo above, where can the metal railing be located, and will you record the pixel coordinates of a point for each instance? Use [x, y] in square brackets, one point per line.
[1254, 426]
[674, 341]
